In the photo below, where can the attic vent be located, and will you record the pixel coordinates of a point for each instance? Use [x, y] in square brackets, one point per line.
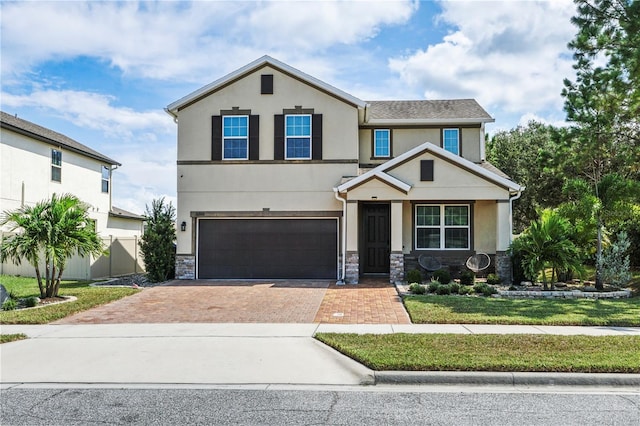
[426, 170]
[266, 84]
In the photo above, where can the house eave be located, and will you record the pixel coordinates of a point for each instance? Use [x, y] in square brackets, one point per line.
[266, 60]
[426, 121]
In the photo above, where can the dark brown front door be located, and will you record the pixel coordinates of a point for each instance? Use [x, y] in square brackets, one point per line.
[376, 238]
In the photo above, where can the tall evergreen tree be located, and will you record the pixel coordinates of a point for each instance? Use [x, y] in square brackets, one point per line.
[158, 242]
[603, 103]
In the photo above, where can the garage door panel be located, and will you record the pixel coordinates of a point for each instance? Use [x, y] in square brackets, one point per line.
[267, 248]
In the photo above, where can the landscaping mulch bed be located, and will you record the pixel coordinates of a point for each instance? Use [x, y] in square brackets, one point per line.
[136, 280]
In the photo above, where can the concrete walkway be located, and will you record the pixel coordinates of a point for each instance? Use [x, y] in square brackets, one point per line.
[244, 354]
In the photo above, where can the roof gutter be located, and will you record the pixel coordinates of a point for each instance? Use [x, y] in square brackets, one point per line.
[172, 114]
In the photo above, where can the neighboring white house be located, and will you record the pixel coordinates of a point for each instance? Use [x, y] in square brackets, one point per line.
[36, 162]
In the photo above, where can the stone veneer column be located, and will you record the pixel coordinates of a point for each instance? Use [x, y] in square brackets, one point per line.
[352, 273]
[185, 267]
[396, 267]
[503, 267]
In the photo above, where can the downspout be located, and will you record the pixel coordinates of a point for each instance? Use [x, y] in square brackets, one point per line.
[343, 268]
[511, 200]
[111, 170]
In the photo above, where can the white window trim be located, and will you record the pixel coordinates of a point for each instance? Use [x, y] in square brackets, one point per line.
[102, 180]
[286, 138]
[442, 226]
[56, 165]
[246, 157]
[443, 142]
[388, 143]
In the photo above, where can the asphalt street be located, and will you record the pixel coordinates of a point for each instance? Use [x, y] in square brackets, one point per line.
[313, 406]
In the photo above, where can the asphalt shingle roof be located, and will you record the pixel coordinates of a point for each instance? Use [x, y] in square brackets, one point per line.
[428, 109]
[49, 136]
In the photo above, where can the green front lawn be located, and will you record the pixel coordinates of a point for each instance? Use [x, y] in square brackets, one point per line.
[490, 352]
[481, 310]
[88, 297]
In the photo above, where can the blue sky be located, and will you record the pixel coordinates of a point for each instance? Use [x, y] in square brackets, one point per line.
[102, 72]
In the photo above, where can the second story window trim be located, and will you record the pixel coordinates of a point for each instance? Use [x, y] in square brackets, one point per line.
[235, 137]
[381, 143]
[451, 140]
[298, 131]
[56, 165]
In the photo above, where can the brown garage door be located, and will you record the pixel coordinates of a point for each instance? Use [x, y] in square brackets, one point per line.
[267, 248]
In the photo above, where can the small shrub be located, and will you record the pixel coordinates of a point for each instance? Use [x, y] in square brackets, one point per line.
[433, 286]
[443, 290]
[442, 275]
[414, 276]
[467, 278]
[455, 288]
[9, 305]
[493, 279]
[416, 288]
[489, 290]
[464, 290]
[31, 302]
[479, 287]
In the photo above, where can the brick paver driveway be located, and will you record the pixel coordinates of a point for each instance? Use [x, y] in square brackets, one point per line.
[295, 301]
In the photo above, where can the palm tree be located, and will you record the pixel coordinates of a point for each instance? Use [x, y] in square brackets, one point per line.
[58, 229]
[547, 243]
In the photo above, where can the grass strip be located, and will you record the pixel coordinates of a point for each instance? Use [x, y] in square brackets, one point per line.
[482, 310]
[490, 352]
[6, 338]
[88, 297]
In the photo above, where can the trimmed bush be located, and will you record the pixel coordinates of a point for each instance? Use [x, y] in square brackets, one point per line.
[9, 305]
[493, 279]
[433, 286]
[489, 290]
[455, 288]
[443, 290]
[442, 275]
[414, 276]
[464, 290]
[30, 302]
[467, 277]
[416, 288]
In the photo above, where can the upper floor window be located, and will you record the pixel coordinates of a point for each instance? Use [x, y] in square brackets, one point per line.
[451, 140]
[235, 137]
[442, 227]
[298, 136]
[105, 178]
[382, 143]
[56, 165]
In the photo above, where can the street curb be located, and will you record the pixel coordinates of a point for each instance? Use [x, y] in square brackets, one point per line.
[365, 375]
[506, 378]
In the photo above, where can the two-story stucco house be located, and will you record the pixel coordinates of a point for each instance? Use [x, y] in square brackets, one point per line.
[281, 175]
[36, 162]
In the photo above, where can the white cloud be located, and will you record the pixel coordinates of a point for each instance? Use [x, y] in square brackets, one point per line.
[508, 55]
[189, 41]
[94, 111]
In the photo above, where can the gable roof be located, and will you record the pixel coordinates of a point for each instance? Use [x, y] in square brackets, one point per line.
[43, 134]
[425, 111]
[256, 65]
[380, 172]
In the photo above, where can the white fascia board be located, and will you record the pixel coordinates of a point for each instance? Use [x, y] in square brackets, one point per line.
[393, 181]
[430, 121]
[265, 60]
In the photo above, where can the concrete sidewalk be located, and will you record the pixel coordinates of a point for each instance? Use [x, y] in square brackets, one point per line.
[242, 354]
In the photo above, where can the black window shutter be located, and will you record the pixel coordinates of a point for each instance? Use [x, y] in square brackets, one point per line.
[254, 142]
[216, 137]
[266, 84]
[278, 137]
[426, 170]
[316, 136]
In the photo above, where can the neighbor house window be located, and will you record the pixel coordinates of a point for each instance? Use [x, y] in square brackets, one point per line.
[298, 136]
[105, 179]
[235, 137]
[56, 165]
[382, 143]
[451, 140]
[441, 227]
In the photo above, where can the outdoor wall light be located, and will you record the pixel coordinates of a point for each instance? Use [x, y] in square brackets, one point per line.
[183, 226]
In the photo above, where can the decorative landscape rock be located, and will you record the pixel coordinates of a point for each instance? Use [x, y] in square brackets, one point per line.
[4, 294]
